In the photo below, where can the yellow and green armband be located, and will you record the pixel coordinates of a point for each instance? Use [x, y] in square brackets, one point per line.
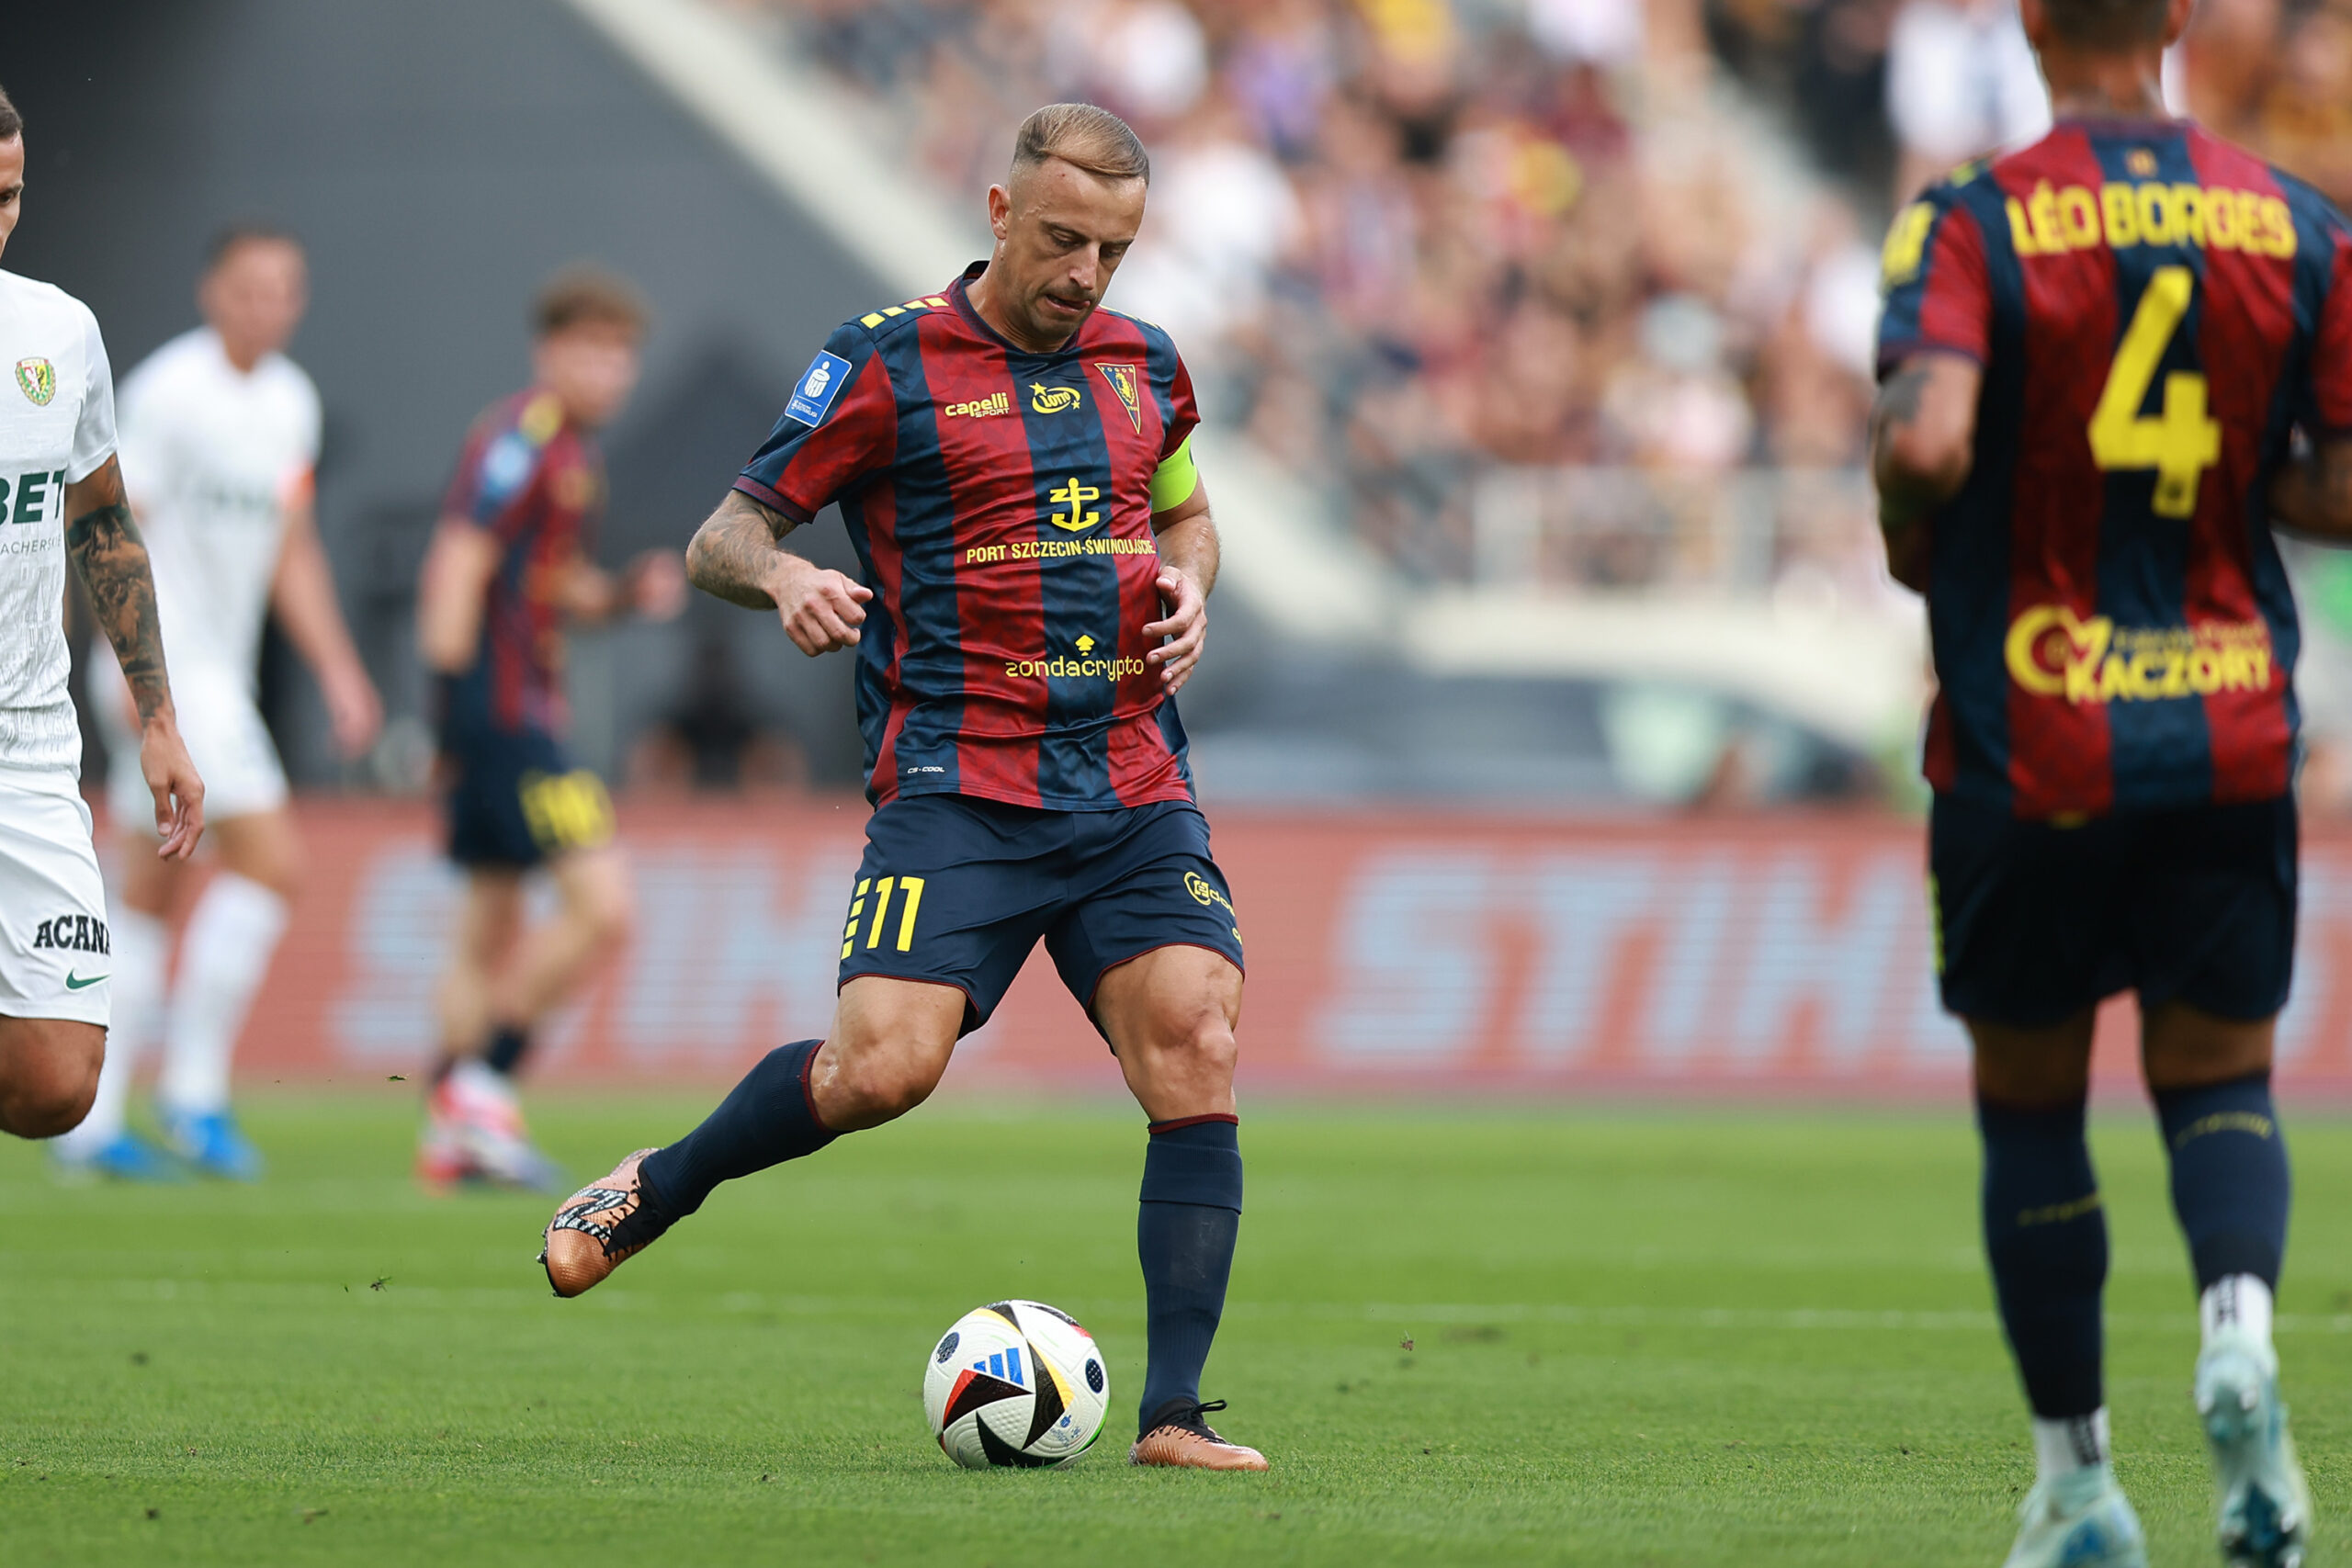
[1173, 482]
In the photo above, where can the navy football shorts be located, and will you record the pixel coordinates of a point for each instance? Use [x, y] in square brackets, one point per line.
[957, 890]
[2035, 922]
[514, 799]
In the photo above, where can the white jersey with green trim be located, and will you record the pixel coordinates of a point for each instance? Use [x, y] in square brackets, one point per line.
[56, 429]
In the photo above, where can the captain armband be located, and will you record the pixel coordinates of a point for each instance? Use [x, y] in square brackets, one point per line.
[1173, 482]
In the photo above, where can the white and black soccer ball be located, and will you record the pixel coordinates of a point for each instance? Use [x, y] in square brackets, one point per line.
[1015, 1383]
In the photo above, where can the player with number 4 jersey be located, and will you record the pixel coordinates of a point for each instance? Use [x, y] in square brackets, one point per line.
[2112, 361]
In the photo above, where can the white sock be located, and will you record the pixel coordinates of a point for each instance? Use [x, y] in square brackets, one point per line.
[2062, 1448]
[229, 938]
[142, 945]
[2235, 1304]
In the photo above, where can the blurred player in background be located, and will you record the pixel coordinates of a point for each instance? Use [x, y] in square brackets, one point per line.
[1015, 468]
[64, 497]
[219, 436]
[507, 572]
[2110, 360]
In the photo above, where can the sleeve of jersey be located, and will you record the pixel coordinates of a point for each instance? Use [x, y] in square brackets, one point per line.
[2331, 354]
[494, 476]
[840, 425]
[1938, 295]
[94, 435]
[1184, 413]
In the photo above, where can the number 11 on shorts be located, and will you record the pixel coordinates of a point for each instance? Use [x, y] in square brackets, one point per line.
[910, 888]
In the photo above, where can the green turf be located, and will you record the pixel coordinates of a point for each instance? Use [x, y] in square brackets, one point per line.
[1658, 1337]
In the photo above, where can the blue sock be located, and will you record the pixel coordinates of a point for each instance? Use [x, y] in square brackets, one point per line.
[2230, 1185]
[765, 1120]
[508, 1045]
[1185, 1228]
[2045, 1234]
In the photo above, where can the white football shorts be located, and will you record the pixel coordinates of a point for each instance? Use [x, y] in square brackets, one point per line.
[55, 951]
[226, 739]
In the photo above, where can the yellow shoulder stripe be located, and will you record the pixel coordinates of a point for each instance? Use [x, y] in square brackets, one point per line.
[931, 303]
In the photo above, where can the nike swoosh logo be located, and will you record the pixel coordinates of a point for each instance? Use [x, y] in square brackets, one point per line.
[74, 982]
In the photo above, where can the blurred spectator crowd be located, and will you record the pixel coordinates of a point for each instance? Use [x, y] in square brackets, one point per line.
[1417, 245]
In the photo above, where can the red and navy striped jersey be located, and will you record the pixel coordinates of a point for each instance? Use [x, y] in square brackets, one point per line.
[1000, 502]
[534, 481]
[2157, 313]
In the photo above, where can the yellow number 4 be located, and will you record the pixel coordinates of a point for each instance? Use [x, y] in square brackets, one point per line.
[2181, 441]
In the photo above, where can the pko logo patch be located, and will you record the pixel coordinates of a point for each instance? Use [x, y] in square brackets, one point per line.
[74, 933]
[813, 398]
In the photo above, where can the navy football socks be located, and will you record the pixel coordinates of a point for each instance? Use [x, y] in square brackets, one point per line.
[508, 1045]
[765, 1120]
[2045, 1233]
[2230, 1185]
[1185, 1228]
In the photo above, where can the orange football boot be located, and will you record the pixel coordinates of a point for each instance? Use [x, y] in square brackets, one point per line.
[593, 1233]
[1182, 1439]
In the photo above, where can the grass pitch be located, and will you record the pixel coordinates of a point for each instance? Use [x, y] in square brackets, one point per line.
[1656, 1337]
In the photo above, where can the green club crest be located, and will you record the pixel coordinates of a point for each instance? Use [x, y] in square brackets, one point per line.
[39, 379]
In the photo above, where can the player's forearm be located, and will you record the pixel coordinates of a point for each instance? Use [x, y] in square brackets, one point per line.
[111, 559]
[2312, 496]
[449, 601]
[1190, 547]
[303, 597]
[737, 554]
[1923, 433]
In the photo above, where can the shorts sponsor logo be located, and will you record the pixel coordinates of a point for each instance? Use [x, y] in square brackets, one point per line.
[37, 379]
[995, 403]
[819, 385]
[1205, 892]
[1052, 400]
[74, 933]
[2052, 653]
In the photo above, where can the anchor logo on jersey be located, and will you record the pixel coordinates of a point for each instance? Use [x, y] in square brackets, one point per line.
[1126, 383]
[38, 378]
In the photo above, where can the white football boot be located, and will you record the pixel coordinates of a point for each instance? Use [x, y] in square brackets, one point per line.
[2078, 1520]
[2266, 1507]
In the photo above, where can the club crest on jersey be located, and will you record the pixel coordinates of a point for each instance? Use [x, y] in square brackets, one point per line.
[1052, 400]
[812, 398]
[1127, 385]
[37, 378]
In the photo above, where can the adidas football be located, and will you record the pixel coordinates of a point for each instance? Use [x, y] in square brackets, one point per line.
[1015, 1383]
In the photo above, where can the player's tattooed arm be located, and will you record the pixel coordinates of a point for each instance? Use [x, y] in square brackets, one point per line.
[1923, 435]
[1189, 553]
[2312, 495]
[111, 559]
[738, 555]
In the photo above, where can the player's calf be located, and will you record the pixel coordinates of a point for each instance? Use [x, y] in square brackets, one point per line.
[48, 1074]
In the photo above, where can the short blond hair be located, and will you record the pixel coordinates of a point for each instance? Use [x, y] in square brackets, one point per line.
[1083, 136]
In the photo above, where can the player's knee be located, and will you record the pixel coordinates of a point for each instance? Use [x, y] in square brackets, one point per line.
[46, 1094]
[605, 908]
[1200, 1047]
[875, 1088]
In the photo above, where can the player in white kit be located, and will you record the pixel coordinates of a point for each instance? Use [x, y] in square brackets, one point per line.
[63, 497]
[219, 434]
